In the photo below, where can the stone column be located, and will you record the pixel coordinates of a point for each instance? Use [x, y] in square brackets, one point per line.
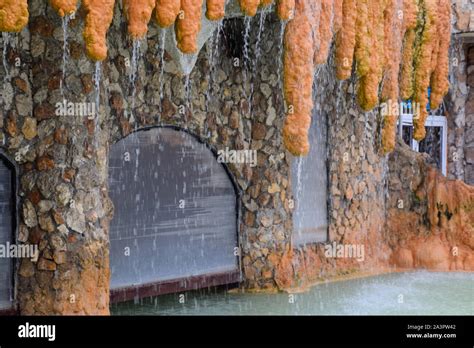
[64, 204]
[469, 128]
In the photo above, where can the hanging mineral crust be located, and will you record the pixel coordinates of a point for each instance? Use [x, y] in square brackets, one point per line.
[422, 65]
[64, 7]
[13, 15]
[166, 12]
[337, 16]
[264, 3]
[400, 47]
[298, 80]
[215, 9]
[99, 14]
[138, 13]
[249, 7]
[324, 32]
[188, 25]
[390, 92]
[410, 15]
[372, 56]
[346, 40]
[285, 9]
[439, 77]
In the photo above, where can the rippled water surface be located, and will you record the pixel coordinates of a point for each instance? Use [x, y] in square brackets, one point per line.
[415, 293]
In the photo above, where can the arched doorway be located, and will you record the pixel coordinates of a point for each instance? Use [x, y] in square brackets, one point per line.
[7, 225]
[175, 220]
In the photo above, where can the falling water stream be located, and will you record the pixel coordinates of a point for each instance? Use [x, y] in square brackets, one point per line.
[258, 49]
[280, 55]
[212, 51]
[188, 63]
[134, 71]
[246, 62]
[6, 43]
[97, 77]
[162, 68]
[299, 188]
[65, 25]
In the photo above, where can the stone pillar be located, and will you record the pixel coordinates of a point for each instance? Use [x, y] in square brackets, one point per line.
[64, 204]
[469, 128]
[456, 111]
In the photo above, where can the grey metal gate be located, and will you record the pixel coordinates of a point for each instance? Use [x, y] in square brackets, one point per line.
[6, 233]
[175, 210]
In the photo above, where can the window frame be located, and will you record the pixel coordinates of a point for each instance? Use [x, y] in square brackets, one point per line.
[406, 119]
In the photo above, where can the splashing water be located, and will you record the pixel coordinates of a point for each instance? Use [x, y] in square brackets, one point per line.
[213, 49]
[65, 25]
[187, 89]
[246, 62]
[97, 77]
[280, 55]
[299, 188]
[188, 63]
[162, 70]
[261, 27]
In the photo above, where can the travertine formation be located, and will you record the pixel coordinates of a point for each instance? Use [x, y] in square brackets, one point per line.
[138, 13]
[166, 12]
[64, 7]
[188, 25]
[99, 14]
[215, 9]
[13, 15]
[298, 80]
[373, 32]
[249, 7]
[433, 226]
[285, 9]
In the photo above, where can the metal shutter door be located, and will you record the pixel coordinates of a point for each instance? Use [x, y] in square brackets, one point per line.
[167, 168]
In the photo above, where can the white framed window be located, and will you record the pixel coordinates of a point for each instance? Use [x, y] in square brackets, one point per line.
[436, 140]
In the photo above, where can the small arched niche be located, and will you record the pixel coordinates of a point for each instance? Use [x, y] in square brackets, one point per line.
[175, 218]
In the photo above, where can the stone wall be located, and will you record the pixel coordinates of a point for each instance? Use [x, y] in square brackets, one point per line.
[65, 208]
[457, 102]
[469, 135]
[456, 111]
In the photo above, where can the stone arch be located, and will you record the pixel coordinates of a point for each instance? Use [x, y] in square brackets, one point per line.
[9, 222]
[210, 214]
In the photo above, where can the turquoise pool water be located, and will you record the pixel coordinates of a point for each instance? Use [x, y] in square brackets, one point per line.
[413, 293]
